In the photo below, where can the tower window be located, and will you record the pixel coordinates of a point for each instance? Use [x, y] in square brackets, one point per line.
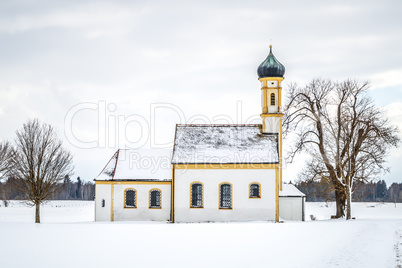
[130, 196]
[103, 203]
[196, 195]
[255, 190]
[155, 198]
[225, 196]
[272, 98]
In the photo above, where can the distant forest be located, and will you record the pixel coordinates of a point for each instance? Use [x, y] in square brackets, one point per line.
[315, 191]
[319, 191]
[70, 190]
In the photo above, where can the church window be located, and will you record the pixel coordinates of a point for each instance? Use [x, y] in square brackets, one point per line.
[272, 98]
[130, 198]
[103, 203]
[155, 198]
[225, 196]
[196, 195]
[255, 190]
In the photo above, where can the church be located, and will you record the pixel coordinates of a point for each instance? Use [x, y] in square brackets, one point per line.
[215, 173]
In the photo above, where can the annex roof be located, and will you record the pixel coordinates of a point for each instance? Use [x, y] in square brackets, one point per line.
[289, 190]
[129, 164]
[200, 144]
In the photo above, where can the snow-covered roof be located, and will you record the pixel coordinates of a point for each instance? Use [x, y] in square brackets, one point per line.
[224, 144]
[290, 190]
[131, 164]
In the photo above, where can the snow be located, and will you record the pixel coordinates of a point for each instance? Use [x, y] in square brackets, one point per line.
[68, 237]
[224, 144]
[290, 190]
[129, 164]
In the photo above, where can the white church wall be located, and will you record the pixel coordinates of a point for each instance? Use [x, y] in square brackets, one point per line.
[243, 207]
[272, 84]
[103, 192]
[142, 212]
[291, 208]
[272, 124]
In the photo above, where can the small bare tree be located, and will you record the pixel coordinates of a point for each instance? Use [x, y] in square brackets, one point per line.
[346, 136]
[40, 163]
[6, 152]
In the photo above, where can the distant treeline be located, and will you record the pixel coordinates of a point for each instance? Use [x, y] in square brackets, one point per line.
[319, 191]
[69, 190]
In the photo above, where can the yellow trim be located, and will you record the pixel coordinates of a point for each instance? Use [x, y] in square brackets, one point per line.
[265, 108]
[111, 203]
[279, 99]
[149, 201]
[133, 182]
[263, 124]
[277, 197]
[279, 79]
[272, 115]
[226, 166]
[172, 196]
[280, 152]
[254, 197]
[202, 199]
[231, 196]
[136, 197]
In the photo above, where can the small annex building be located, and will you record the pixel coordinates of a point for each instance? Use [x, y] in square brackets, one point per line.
[291, 203]
[135, 185]
[215, 173]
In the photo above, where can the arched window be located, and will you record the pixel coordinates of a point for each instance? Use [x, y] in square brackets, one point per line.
[225, 195]
[155, 197]
[255, 190]
[130, 198]
[196, 195]
[272, 98]
[103, 203]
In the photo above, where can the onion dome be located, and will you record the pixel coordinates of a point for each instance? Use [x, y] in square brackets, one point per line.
[270, 67]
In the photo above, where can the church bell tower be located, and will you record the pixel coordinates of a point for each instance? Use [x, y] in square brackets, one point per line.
[270, 74]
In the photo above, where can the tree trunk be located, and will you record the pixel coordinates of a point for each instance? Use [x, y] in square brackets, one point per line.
[349, 201]
[340, 203]
[37, 215]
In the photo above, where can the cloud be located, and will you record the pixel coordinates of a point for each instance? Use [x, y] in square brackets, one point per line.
[199, 56]
[77, 15]
[387, 79]
[394, 113]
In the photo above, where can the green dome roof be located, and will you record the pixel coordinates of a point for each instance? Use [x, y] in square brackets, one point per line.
[270, 67]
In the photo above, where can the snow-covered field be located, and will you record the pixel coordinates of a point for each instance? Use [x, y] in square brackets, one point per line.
[68, 237]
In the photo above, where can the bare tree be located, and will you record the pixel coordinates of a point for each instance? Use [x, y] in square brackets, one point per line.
[40, 163]
[346, 136]
[6, 152]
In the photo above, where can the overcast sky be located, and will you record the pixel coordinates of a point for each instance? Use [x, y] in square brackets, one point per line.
[112, 74]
